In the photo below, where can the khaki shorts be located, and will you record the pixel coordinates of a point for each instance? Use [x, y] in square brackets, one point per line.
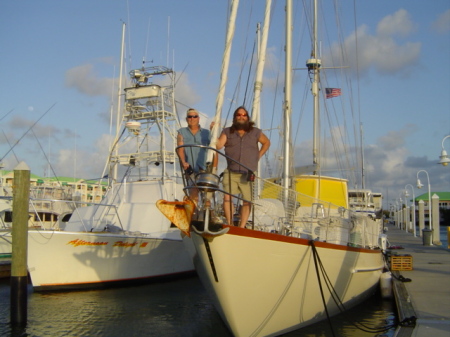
[239, 184]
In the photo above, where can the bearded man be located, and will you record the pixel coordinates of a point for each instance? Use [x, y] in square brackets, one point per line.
[242, 144]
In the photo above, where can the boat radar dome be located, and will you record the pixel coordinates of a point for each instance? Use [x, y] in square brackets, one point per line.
[139, 76]
[133, 127]
[313, 64]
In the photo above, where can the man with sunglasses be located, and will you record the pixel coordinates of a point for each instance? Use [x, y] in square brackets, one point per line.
[242, 143]
[193, 134]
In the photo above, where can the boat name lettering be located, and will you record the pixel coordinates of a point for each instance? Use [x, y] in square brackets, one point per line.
[124, 244]
[79, 242]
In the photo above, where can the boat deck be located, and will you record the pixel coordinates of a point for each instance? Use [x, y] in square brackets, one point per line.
[427, 296]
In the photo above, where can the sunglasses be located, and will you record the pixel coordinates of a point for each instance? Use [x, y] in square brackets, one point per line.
[192, 116]
[241, 115]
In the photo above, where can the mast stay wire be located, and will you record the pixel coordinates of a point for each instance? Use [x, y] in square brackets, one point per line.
[32, 126]
[244, 56]
[46, 157]
[9, 144]
[355, 116]
[6, 114]
[302, 109]
[340, 131]
[357, 68]
[352, 161]
[350, 96]
[345, 129]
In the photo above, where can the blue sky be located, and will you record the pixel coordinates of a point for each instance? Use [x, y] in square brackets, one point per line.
[64, 56]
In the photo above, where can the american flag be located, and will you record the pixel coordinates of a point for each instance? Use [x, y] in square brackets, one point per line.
[332, 92]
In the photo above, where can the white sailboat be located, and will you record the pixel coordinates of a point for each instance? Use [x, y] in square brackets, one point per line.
[125, 237]
[303, 257]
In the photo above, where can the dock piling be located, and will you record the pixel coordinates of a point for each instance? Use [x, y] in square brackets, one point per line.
[19, 276]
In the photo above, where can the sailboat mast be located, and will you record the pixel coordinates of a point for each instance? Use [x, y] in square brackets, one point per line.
[256, 106]
[223, 76]
[260, 66]
[287, 96]
[313, 64]
[315, 93]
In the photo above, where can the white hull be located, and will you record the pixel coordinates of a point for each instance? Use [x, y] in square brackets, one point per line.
[71, 260]
[129, 241]
[123, 237]
[267, 283]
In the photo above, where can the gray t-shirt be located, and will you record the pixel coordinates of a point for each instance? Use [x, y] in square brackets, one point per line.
[243, 149]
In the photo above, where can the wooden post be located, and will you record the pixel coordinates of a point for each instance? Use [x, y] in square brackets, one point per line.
[413, 219]
[435, 220]
[19, 276]
[406, 217]
[421, 217]
[448, 237]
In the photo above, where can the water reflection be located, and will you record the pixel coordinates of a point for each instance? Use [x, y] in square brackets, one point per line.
[175, 308]
[373, 313]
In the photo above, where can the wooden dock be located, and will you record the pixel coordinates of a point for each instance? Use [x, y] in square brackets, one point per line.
[422, 290]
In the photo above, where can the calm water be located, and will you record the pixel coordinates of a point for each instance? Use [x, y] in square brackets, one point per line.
[174, 308]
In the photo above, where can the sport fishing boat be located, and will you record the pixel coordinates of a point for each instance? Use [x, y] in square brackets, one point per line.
[303, 255]
[124, 237]
[49, 208]
[5, 228]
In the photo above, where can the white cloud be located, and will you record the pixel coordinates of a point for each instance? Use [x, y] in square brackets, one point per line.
[381, 51]
[83, 163]
[399, 23]
[395, 139]
[84, 79]
[19, 127]
[184, 90]
[388, 164]
[442, 23]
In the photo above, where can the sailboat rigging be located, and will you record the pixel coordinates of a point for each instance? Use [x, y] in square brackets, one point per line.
[264, 279]
[123, 237]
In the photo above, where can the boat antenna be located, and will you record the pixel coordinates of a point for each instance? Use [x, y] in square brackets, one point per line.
[119, 99]
[46, 157]
[146, 44]
[168, 40]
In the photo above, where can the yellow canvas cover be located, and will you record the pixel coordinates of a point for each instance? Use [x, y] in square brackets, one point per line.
[320, 188]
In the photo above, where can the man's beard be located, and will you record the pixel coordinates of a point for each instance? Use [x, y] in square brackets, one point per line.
[244, 125]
